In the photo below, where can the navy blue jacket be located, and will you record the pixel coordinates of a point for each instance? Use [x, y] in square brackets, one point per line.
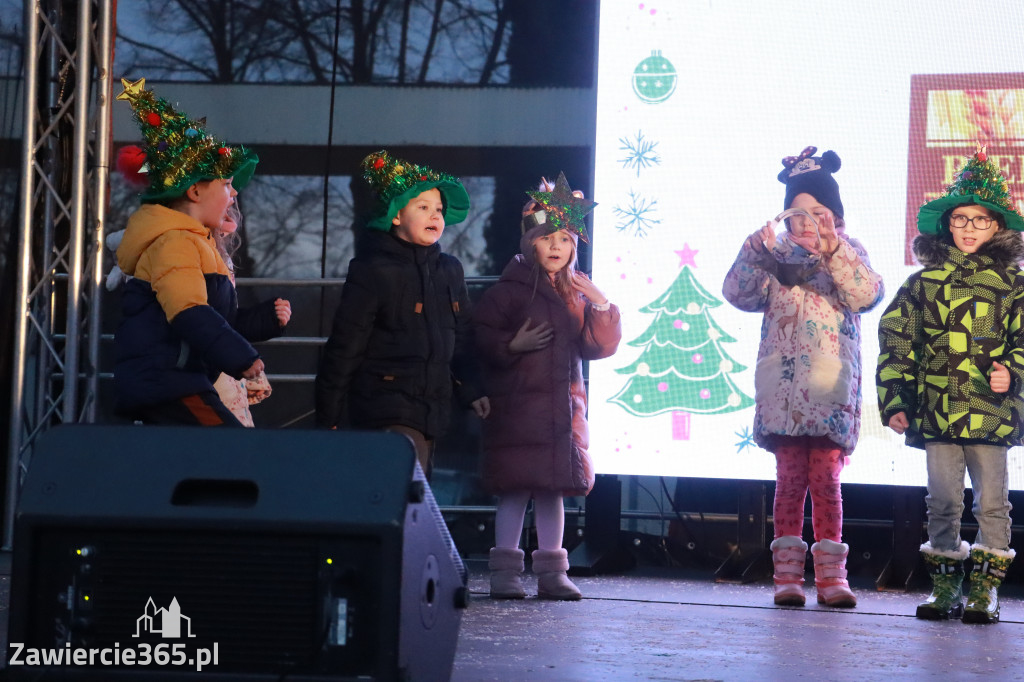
[180, 325]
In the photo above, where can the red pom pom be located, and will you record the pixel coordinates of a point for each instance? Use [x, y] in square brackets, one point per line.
[129, 160]
[223, 151]
[153, 118]
[423, 177]
[378, 164]
[982, 156]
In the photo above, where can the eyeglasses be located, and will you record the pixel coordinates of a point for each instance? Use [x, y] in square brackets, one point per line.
[980, 222]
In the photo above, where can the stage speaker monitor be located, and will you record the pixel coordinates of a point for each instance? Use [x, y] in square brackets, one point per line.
[248, 554]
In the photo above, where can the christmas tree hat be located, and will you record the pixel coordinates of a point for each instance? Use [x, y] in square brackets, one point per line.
[561, 209]
[398, 182]
[179, 152]
[978, 182]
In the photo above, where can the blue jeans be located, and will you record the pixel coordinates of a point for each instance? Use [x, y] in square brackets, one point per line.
[990, 483]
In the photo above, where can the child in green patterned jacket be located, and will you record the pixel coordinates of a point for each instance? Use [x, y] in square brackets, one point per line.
[950, 376]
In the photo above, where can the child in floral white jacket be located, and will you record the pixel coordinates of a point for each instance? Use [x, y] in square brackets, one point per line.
[812, 283]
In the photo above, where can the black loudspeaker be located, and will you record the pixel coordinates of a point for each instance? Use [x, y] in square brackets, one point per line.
[251, 554]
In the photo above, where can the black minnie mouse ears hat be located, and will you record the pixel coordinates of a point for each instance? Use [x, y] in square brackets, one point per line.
[809, 174]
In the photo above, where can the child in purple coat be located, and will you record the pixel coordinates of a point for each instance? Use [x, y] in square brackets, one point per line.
[533, 330]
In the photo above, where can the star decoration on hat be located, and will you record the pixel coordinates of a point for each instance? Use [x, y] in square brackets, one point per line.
[132, 91]
[565, 209]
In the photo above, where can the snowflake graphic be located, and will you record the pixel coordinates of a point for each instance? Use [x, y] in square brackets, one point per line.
[746, 440]
[639, 153]
[637, 215]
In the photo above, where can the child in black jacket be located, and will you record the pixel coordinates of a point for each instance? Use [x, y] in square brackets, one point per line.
[400, 343]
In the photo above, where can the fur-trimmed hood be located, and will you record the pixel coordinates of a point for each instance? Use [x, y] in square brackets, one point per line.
[1006, 247]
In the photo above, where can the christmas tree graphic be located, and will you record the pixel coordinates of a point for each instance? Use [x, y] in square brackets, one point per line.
[682, 368]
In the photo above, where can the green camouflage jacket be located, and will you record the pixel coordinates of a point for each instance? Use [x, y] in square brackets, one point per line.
[940, 335]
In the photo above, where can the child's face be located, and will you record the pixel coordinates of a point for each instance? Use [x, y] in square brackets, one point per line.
[421, 221]
[969, 238]
[802, 229]
[553, 251]
[212, 199]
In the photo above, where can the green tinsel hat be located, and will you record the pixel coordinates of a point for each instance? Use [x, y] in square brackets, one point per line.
[561, 209]
[978, 182]
[179, 152]
[398, 182]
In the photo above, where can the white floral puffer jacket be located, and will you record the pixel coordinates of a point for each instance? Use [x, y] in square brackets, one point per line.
[808, 376]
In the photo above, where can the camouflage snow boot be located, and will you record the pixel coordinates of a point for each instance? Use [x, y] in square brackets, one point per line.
[989, 570]
[946, 568]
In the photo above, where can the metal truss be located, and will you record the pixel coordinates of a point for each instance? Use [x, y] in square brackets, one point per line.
[63, 203]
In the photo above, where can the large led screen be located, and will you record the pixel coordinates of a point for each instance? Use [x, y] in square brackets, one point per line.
[698, 102]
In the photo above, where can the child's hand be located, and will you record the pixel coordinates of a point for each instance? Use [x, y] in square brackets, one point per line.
[283, 310]
[999, 378]
[585, 286]
[828, 240]
[482, 407]
[825, 241]
[254, 370]
[898, 422]
[527, 339]
[763, 240]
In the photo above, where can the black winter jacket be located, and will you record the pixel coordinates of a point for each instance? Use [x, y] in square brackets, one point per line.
[401, 341]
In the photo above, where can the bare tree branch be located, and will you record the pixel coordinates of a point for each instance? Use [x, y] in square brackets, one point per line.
[425, 64]
[497, 40]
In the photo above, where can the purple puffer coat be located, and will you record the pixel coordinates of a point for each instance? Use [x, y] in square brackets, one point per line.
[536, 437]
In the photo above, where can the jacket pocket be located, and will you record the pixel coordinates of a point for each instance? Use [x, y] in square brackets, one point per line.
[769, 374]
[376, 379]
[451, 308]
[830, 380]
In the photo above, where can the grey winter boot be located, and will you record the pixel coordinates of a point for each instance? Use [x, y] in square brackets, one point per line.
[506, 573]
[789, 554]
[551, 566]
[946, 568]
[987, 575]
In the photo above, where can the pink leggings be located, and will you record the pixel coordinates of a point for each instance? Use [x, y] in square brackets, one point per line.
[803, 464]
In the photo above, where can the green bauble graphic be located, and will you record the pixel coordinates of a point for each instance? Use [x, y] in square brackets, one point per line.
[654, 79]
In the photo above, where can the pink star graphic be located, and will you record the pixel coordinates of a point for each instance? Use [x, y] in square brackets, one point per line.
[686, 255]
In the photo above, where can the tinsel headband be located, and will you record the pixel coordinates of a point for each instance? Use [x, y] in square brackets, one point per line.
[179, 152]
[397, 182]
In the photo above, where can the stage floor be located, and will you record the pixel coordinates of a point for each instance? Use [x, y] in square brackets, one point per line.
[670, 624]
[663, 624]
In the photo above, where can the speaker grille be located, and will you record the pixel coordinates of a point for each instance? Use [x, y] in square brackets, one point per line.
[261, 599]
